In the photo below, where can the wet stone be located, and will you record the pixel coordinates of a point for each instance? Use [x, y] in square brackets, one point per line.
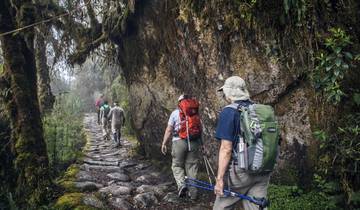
[85, 176]
[158, 190]
[111, 154]
[127, 163]
[145, 200]
[87, 186]
[142, 166]
[93, 201]
[126, 184]
[101, 163]
[116, 190]
[108, 169]
[171, 198]
[111, 159]
[93, 156]
[120, 203]
[146, 179]
[119, 177]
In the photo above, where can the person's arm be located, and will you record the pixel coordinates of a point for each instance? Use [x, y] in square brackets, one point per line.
[168, 133]
[224, 159]
[123, 118]
[110, 114]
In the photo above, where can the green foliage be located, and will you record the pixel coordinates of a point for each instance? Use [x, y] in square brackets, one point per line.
[294, 198]
[62, 131]
[333, 64]
[356, 98]
[355, 198]
[338, 167]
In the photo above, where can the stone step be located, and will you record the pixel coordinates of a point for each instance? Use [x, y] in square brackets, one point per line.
[101, 163]
[87, 186]
[119, 177]
[107, 169]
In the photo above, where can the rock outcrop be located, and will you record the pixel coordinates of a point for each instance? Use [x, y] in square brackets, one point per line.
[165, 53]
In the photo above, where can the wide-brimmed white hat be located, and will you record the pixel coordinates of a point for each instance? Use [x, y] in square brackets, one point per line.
[235, 89]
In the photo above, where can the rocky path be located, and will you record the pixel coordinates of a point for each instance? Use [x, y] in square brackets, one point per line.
[112, 178]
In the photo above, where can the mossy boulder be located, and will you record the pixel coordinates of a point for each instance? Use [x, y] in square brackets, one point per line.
[72, 201]
[68, 179]
[69, 201]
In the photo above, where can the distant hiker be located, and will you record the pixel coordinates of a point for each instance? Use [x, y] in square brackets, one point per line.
[104, 111]
[185, 128]
[249, 138]
[117, 118]
[98, 103]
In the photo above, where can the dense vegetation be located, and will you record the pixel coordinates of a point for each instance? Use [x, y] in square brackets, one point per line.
[63, 132]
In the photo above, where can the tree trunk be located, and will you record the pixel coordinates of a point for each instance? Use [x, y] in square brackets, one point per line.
[46, 98]
[31, 161]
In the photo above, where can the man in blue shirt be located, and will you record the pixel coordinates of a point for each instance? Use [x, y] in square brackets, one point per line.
[228, 131]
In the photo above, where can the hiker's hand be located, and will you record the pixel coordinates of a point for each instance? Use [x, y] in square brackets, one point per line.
[163, 149]
[219, 187]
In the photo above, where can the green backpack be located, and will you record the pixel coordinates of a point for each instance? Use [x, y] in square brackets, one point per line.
[257, 148]
[106, 109]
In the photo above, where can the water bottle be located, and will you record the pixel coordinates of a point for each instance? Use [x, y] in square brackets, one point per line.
[241, 154]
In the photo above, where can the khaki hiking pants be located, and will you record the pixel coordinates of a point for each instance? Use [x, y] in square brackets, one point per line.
[184, 162]
[244, 183]
[105, 128]
[116, 131]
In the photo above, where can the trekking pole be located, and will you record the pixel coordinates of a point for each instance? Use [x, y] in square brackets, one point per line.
[207, 164]
[207, 169]
[261, 202]
[211, 169]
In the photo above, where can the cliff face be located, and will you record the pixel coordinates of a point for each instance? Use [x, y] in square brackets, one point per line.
[165, 52]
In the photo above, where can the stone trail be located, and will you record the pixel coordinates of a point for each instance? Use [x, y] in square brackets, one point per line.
[114, 179]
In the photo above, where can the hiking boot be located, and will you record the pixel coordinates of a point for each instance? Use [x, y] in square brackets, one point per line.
[182, 191]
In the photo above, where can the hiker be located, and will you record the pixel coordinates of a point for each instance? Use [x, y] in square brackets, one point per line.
[98, 103]
[185, 128]
[241, 165]
[104, 111]
[117, 118]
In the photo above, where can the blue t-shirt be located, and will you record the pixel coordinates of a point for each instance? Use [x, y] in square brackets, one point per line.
[228, 125]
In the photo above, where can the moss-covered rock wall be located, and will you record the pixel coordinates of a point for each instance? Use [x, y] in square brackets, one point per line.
[171, 47]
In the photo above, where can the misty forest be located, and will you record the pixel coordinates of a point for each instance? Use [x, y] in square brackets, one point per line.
[88, 90]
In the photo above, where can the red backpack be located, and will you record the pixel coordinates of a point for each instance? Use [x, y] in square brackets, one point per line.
[190, 125]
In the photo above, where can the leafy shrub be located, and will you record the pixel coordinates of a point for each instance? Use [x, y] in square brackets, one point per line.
[294, 198]
[339, 160]
[332, 65]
